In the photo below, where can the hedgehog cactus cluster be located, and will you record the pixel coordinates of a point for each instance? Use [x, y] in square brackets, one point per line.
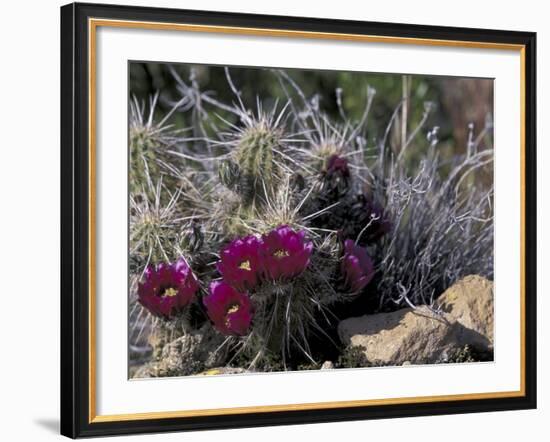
[273, 286]
[262, 230]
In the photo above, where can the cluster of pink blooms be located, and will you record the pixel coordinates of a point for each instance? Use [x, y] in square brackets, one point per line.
[280, 255]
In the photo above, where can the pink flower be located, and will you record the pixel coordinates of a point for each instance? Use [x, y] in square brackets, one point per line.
[337, 166]
[285, 252]
[230, 311]
[357, 266]
[240, 263]
[167, 288]
[336, 176]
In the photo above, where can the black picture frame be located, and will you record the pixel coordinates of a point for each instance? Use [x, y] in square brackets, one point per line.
[75, 221]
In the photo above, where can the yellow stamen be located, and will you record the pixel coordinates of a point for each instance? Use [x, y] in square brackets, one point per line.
[234, 308]
[169, 292]
[245, 265]
[280, 253]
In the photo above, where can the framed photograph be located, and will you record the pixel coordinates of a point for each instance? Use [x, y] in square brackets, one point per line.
[279, 220]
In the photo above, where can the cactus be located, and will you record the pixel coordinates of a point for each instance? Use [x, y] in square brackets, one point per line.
[143, 158]
[338, 223]
[254, 156]
[149, 141]
[258, 157]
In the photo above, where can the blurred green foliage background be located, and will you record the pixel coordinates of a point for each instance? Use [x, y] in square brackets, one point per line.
[458, 101]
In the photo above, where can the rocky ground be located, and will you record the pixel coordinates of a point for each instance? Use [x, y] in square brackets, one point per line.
[458, 327]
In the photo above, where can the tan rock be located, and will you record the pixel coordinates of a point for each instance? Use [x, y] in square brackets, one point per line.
[471, 302]
[415, 336]
[223, 370]
[419, 336]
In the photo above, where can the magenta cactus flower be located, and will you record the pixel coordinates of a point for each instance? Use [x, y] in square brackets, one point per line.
[167, 288]
[357, 266]
[240, 263]
[230, 311]
[337, 166]
[286, 253]
[336, 176]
